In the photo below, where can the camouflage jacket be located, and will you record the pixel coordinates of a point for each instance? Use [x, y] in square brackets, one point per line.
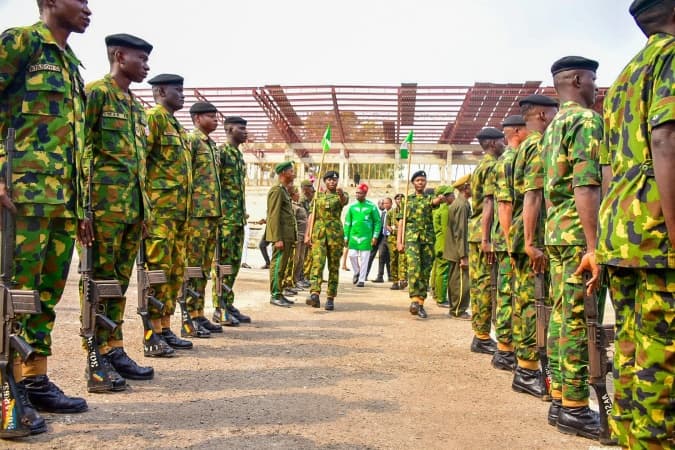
[205, 177]
[115, 143]
[570, 155]
[232, 185]
[632, 226]
[392, 221]
[531, 168]
[478, 191]
[419, 224]
[327, 216]
[517, 232]
[500, 186]
[169, 166]
[42, 97]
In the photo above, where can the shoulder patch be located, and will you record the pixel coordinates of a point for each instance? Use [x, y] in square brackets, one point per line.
[44, 68]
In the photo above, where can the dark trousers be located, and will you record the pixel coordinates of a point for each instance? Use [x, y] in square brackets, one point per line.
[262, 246]
[383, 248]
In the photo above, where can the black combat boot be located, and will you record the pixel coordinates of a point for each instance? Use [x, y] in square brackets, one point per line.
[237, 314]
[554, 412]
[46, 396]
[421, 313]
[30, 416]
[528, 381]
[487, 346]
[206, 323]
[105, 379]
[330, 305]
[582, 421]
[127, 367]
[174, 341]
[414, 308]
[224, 318]
[314, 301]
[504, 360]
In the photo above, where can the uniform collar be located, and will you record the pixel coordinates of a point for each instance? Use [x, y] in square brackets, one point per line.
[119, 93]
[48, 38]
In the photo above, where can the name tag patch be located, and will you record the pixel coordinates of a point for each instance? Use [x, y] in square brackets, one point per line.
[44, 67]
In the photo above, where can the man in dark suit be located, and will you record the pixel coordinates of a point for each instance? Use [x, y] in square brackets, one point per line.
[384, 205]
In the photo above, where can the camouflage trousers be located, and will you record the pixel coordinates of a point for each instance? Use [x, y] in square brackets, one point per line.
[231, 245]
[524, 311]
[200, 247]
[567, 339]
[165, 250]
[115, 249]
[420, 257]
[643, 414]
[459, 288]
[394, 260]
[299, 257]
[278, 266]
[44, 249]
[441, 279]
[323, 249]
[504, 320]
[307, 263]
[481, 304]
[288, 278]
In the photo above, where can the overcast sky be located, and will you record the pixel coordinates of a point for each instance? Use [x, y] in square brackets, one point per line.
[299, 42]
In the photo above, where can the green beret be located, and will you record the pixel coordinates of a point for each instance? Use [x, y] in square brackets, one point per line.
[462, 181]
[573, 63]
[515, 120]
[639, 6]
[489, 133]
[166, 79]
[127, 41]
[306, 183]
[539, 100]
[419, 173]
[235, 120]
[202, 108]
[283, 166]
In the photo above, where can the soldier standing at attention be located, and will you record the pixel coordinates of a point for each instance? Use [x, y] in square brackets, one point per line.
[281, 231]
[169, 185]
[481, 255]
[206, 212]
[42, 98]
[440, 218]
[456, 250]
[396, 258]
[305, 202]
[231, 226]
[115, 144]
[418, 241]
[637, 231]
[326, 239]
[572, 193]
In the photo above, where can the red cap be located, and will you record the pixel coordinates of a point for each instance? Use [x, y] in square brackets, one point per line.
[363, 187]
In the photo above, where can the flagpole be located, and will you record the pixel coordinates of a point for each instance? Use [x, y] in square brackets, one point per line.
[310, 225]
[407, 190]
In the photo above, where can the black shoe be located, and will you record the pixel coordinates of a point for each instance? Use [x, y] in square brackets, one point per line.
[504, 360]
[157, 347]
[464, 316]
[421, 313]
[46, 396]
[582, 421]
[378, 280]
[279, 302]
[105, 378]
[414, 308]
[313, 301]
[224, 318]
[266, 266]
[174, 341]
[403, 284]
[287, 300]
[127, 367]
[237, 315]
[360, 284]
[554, 412]
[289, 293]
[197, 331]
[245, 266]
[355, 278]
[395, 287]
[206, 323]
[528, 381]
[329, 304]
[445, 304]
[30, 416]
[487, 346]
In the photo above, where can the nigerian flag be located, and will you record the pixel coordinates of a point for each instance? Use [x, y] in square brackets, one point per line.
[405, 146]
[325, 141]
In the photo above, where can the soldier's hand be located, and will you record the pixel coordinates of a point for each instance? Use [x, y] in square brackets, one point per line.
[588, 264]
[400, 247]
[279, 245]
[463, 262]
[537, 258]
[85, 232]
[340, 191]
[308, 241]
[145, 225]
[5, 201]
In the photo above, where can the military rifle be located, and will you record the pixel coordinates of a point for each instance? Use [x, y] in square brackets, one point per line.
[543, 317]
[221, 271]
[146, 296]
[93, 312]
[188, 326]
[13, 423]
[600, 337]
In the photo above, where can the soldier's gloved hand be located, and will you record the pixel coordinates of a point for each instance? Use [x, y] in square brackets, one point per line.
[5, 201]
[85, 232]
[588, 264]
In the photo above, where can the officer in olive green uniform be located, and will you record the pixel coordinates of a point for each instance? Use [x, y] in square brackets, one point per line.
[115, 146]
[326, 239]
[305, 202]
[206, 212]
[572, 192]
[456, 250]
[637, 232]
[169, 185]
[481, 255]
[231, 227]
[441, 265]
[416, 237]
[42, 97]
[295, 275]
[396, 258]
[281, 231]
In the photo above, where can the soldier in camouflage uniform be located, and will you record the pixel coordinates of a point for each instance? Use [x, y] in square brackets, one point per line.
[206, 212]
[42, 98]
[326, 239]
[396, 258]
[305, 202]
[572, 194]
[231, 227]
[169, 185]
[416, 237]
[500, 184]
[481, 255]
[441, 265]
[456, 250]
[637, 232]
[115, 144]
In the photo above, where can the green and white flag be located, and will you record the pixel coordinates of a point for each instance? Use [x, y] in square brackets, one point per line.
[405, 146]
[325, 141]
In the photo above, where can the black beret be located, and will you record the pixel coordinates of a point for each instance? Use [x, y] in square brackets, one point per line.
[489, 133]
[515, 120]
[398, 196]
[539, 100]
[331, 174]
[236, 120]
[128, 41]
[572, 63]
[202, 108]
[166, 78]
[419, 173]
[639, 6]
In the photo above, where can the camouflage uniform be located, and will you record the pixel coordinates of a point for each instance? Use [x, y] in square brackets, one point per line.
[231, 226]
[634, 243]
[327, 241]
[169, 185]
[569, 154]
[419, 244]
[300, 248]
[394, 255]
[307, 256]
[42, 97]
[441, 265]
[479, 271]
[456, 248]
[206, 212]
[116, 144]
[281, 226]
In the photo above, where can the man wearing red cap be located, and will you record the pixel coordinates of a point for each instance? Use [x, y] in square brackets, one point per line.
[362, 227]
